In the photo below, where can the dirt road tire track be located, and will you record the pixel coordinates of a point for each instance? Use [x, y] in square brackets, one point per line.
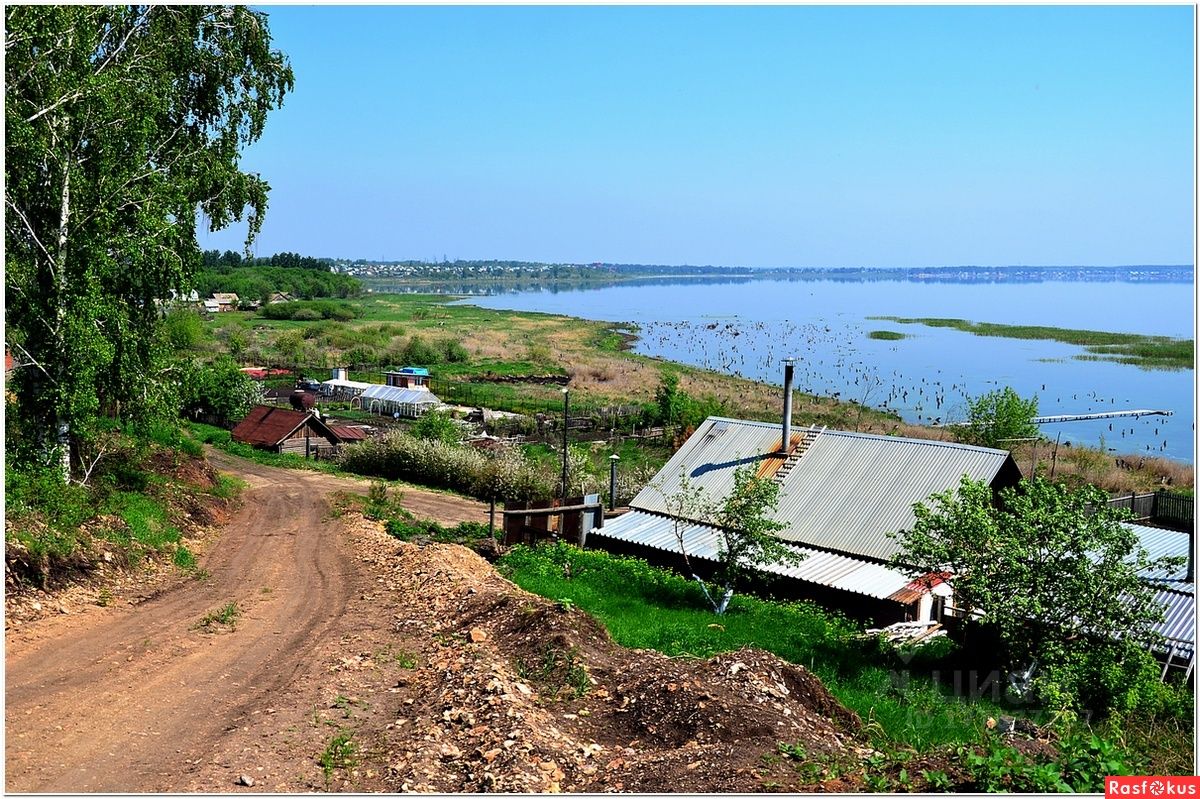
[139, 698]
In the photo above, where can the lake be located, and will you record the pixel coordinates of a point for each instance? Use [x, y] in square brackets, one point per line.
[749, 326]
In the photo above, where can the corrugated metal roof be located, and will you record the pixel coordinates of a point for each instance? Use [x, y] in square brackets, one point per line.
[847, 492]
[1179, 627]
[1160, 543]
[414, 396]
[347, 433]
[267, 426]
[823, 568]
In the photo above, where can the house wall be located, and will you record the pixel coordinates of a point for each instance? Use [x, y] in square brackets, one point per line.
[295, 444]
[872, 611]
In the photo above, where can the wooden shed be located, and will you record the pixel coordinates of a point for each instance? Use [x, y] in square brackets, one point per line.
[281, 430]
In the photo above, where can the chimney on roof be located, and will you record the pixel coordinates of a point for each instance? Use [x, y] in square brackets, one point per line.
[788, 366]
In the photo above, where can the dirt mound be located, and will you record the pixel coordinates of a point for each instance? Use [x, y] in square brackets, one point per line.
[521, 693]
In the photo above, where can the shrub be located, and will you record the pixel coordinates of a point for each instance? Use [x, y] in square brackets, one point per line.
[399, 456]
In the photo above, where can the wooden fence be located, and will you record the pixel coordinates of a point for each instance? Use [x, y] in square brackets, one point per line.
[1159, 506]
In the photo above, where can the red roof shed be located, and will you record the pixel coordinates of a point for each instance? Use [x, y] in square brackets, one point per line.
[284, 430]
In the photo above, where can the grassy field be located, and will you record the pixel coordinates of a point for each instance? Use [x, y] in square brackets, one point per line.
[1148, 352]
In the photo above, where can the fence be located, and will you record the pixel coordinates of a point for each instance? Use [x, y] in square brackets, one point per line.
[1160, 506]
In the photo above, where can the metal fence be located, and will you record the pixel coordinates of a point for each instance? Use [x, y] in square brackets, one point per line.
[1160, 506]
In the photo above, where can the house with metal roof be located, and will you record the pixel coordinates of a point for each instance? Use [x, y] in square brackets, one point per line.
[841, 495]
[287, 431]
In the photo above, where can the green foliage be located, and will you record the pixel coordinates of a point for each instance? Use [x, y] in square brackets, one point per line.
[675, 408]
[260, 281]
[1148, 352]
[184, 558]
[309, 311]
[340, 752]
[217, 390]
[399, 456]
[407, 528]
[1058, 577]
[121, 123]
[1083, 761]
[886, 335]
[558, 670]
[226, 615]
[437, 426]
[996, 418]
[184, 330]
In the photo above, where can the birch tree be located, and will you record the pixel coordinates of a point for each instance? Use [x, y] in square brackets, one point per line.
[746, 535]
[125, 126]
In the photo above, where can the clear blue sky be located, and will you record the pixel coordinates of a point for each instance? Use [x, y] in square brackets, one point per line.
[769, 136]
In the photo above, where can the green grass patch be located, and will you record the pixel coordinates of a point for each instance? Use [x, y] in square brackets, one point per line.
[1148, 352]
[147, 526]
[340, 753]
[886, 335]
[225, 616]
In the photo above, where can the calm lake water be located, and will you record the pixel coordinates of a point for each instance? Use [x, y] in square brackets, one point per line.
[748, 327]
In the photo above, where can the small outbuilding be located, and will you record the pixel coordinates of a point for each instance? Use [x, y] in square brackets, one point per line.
[286, 431]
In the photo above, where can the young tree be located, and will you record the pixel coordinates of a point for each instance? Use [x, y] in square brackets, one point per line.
[1051, 570]
[746, 534]
[123, 124]
[998, 417]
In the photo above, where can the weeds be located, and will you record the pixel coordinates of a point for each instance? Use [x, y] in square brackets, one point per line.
[340, 753]
[558, 670]
[227, 616]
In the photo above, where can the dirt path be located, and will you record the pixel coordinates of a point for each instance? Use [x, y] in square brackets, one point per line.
[145, 698]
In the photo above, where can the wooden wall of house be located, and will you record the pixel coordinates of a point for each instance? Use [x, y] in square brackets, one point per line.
[295, 444]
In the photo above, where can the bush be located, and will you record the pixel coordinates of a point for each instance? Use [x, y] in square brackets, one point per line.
[399, 456]
[997, 418]
[437, 426]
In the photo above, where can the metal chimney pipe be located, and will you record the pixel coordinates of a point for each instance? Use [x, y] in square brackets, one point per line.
[788, 366]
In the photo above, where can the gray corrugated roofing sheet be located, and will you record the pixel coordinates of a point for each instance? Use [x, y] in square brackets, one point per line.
[412, 396]
[846, 493]
[1160, 543]
[824, 568]
[1179, 627]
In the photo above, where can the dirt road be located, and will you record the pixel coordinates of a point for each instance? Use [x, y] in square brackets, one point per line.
[148, 698]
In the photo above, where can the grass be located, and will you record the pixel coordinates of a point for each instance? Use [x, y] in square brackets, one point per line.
[1148, 352]
[340, 753]
[226, 616]
[886, 335]
[643, 607]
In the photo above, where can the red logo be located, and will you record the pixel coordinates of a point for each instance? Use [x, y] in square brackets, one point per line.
[1152, 787]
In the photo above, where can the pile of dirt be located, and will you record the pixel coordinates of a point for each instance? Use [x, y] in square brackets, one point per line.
[515, 692]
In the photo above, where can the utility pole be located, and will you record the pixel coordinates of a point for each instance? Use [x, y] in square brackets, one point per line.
[566, 418]
[612, 480]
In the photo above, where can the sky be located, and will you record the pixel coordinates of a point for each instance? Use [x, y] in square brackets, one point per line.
[775, 136]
